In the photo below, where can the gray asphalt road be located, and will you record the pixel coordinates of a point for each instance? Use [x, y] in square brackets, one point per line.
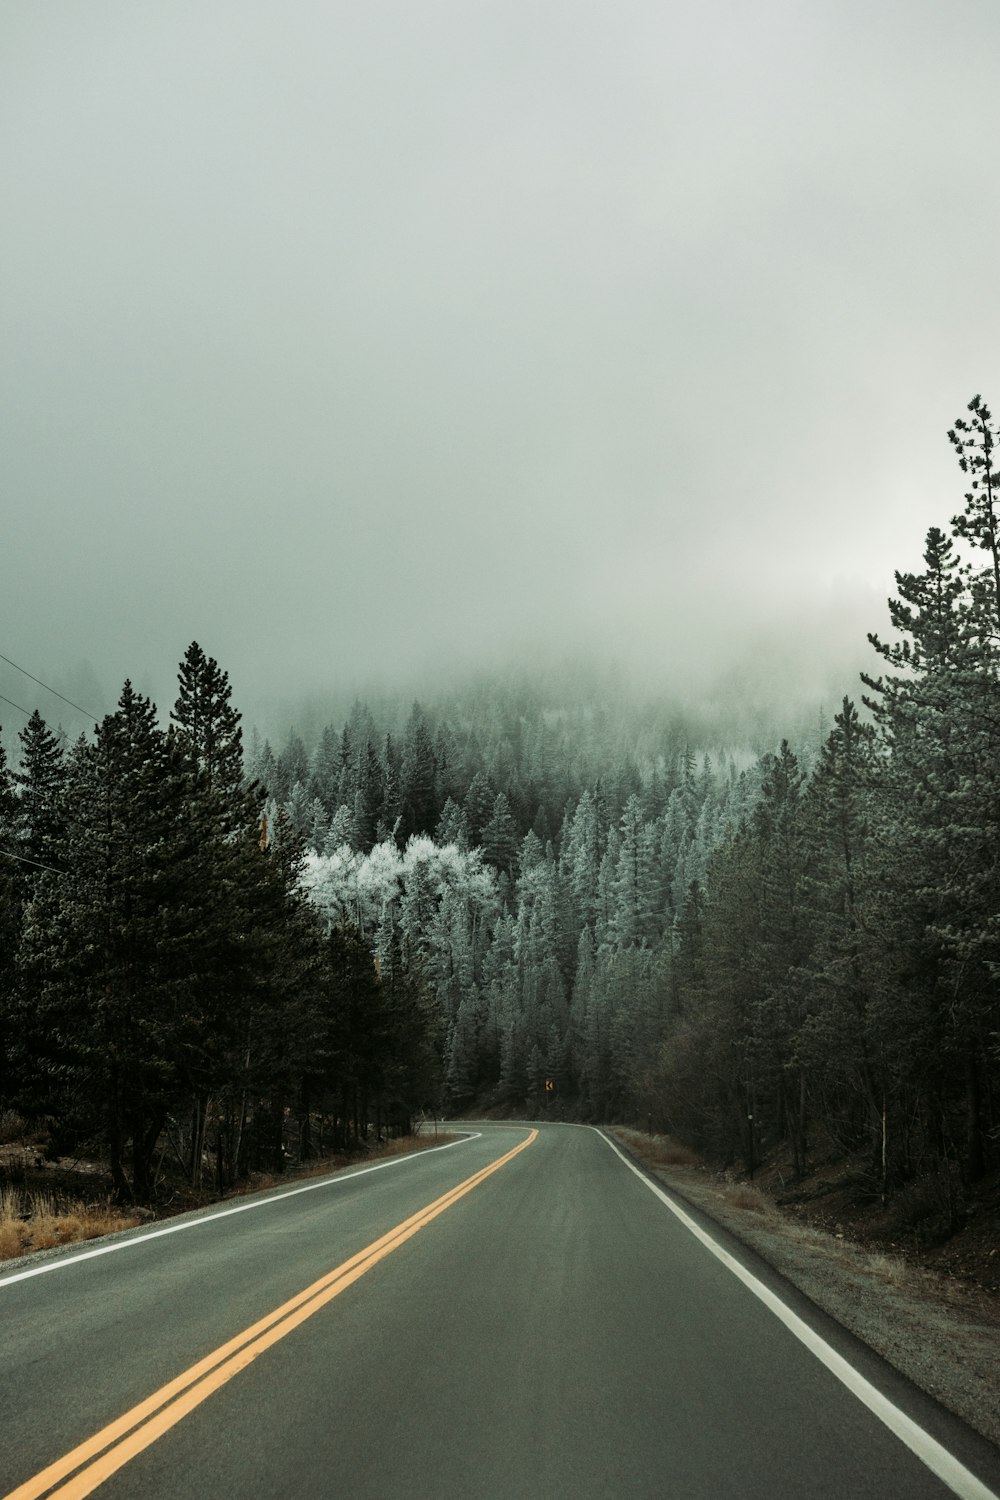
[556, 1331]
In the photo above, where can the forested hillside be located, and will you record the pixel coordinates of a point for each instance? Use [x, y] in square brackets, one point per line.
[532, 873]
[505, 898]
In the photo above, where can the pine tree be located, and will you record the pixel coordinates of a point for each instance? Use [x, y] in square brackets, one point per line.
[114, 945]
[208, 726]
[368, 793]
[38, 823]
[417, 777]
[478, 805]
[319, 826]
[453, 826]
[341, 830]
[634, 917]
[298, 809]
[326, 767]
[835, 1040]
[532, 852]
[975, 442]
[9, 927]
[499, 838]
[390, 799]
[581, 860]
[292, 765]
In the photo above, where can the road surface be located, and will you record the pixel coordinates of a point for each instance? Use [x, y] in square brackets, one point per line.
[520, 1314]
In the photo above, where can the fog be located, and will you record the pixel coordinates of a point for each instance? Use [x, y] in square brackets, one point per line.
[382, 343]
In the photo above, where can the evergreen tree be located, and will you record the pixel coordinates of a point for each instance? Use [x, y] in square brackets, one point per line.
[835, 1040]
[478, 805]
[975, 442]
[417, 777]
[368, 791]
[326, 767]
[453, 826]
[318, 826]
[37, 823]
[390, 798]
[341, 830]
[499, 838]
[9, 926]
[208, 725]
[115, 946]
[291, 766]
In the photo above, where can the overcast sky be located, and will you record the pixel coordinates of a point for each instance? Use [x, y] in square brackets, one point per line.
[358, 339]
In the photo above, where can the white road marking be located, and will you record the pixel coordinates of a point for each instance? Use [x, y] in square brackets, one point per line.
[960, 1480]
[143, 1238]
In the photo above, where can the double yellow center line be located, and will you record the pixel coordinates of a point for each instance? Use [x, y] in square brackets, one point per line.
[102, 1455]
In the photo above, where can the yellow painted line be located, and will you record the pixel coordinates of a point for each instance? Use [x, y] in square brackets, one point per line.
[111, 1448]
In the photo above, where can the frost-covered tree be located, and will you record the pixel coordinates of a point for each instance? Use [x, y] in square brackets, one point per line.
[453, 826]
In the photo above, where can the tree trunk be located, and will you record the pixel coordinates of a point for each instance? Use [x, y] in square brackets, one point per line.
[975, 1162]
[199, 1122]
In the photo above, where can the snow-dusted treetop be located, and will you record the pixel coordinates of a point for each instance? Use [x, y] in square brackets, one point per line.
[363, 888]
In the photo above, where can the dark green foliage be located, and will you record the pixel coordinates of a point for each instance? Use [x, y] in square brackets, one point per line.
[9, 924]
[499, 838]
[167, 988]
[115, 946]
[208, 726]
[478, 806]
[849, 946]
[38, 819]
[801, 954]
[417, 777]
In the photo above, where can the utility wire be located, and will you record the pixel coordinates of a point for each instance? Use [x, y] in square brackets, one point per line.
[25, 711]
[25, 861]
[47, 689]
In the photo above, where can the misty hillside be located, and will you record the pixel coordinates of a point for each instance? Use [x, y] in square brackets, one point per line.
[524, 895]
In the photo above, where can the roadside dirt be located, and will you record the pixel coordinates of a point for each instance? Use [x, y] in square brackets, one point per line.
[933, 1314]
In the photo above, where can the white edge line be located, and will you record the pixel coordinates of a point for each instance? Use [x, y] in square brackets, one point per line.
[960, 1480]
[344, 1175]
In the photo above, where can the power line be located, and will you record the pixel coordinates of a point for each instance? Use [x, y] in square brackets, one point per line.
[25, 861]
[25, 711]
[48, 689]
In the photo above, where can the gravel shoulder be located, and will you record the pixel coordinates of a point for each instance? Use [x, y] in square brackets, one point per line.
[941, 1334]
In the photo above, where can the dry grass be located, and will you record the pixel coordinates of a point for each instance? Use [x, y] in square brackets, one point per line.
[762, 1222]
[11, 1126]
[657, 1150]
[742, 1195]
[322, 1166]
[36, 1221]
[891, 1269]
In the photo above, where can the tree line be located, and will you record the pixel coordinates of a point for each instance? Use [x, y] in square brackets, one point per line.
[798, 951]
[166, 988]
[536, 901]
[835, 977]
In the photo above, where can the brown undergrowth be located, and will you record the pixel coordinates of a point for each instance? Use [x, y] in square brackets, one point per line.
[37, 1221]
[403, 1145]
[824, 1218]
[50, 1204]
